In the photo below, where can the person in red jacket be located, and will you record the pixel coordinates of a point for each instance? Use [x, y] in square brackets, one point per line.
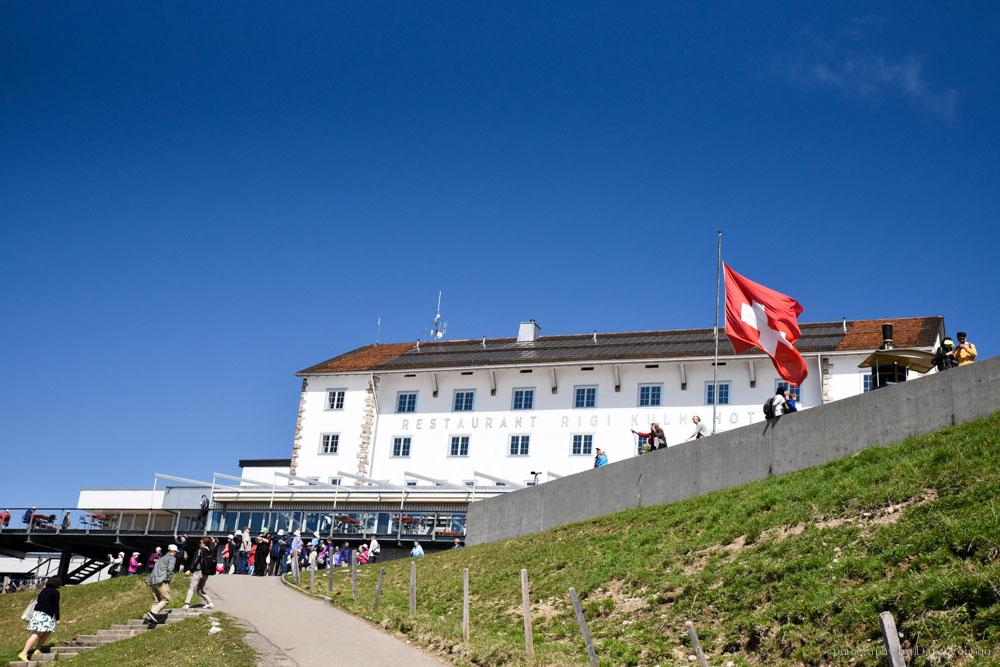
[656, 437]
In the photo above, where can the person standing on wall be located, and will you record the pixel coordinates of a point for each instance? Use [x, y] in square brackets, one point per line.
[965, 352]
[601, 459]
[656, 438]
[700, 429]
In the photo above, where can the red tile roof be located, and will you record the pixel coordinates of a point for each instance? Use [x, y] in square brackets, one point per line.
[817, 337]
[362, 359]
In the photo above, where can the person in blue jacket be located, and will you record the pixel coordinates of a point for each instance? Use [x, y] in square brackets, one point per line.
[601, 459]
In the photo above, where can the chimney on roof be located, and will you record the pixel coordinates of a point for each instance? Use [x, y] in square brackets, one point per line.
[529, 332]
[887, 343]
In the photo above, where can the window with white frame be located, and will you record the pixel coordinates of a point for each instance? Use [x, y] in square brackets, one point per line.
[866, 382]
[723, 393]
[583, 445]
[459, 445]
[411, 482]
[650, 395]
[470, 482]
[336, 481]
[585, 397]
[464, 400]
[790, 389]
[519, 445]
[329, 443]
[643, 439]
[524, 399]
[401, 446]
[335, 399]
[406, 401]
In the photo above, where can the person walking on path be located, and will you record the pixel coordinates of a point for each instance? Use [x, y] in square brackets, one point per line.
[965, 352]
[700, 429]
[656, 438]
[43, 619]
[601, 459]
[373, 550]
[245, 546]
[153, 557]
[115, 569]
[159, 582]
[203, 565]
[133, 563]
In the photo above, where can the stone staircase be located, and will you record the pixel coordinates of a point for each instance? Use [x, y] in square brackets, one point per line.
[117, 632]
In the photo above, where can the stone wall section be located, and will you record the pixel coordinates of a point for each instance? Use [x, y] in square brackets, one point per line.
[788, 443]
[297, 441]
[367, 428]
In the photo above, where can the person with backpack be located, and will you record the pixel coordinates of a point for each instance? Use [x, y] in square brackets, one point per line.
[374, 549]
[776, 406]
[203, 565]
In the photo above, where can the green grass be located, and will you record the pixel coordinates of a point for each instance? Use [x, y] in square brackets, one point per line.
[173, 644]
[83, 609]
[792, 570]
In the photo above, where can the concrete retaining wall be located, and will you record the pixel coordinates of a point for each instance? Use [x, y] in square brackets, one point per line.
[792, 442]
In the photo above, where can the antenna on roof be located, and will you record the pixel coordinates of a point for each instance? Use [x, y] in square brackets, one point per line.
[378, 330]
[438, 329]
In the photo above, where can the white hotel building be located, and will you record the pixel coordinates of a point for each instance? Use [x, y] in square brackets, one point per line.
[468, 411]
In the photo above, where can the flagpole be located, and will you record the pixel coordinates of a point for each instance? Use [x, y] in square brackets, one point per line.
[715, 366]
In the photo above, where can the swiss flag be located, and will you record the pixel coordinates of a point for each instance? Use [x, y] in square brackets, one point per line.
[759, 316]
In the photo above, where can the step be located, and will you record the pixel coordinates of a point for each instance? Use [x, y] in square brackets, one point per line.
[67, 648]
[114, 634]
[66, 656]
[43, 657]
[138, 626]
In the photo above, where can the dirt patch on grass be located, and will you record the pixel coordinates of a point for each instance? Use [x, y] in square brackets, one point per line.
[627, 602]
[543, 609]
[702, 556]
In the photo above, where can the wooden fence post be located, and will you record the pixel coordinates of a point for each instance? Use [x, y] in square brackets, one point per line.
[329, 573]
[529, 644]
[413, 588]
[582, 622]
[312, 574]
[295, 571]
[354, 574]
[891, 639]
[693, 634]
[378, 589]
[465, 605]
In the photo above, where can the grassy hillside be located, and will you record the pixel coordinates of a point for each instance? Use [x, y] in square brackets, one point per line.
[787, 571]
[84, 610]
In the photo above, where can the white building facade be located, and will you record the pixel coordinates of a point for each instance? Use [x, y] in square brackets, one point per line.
[510, 408]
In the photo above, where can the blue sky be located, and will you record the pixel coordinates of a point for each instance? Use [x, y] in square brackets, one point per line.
[199, 199]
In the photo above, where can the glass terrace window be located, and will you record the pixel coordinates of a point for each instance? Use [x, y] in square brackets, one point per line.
[585, 397]
[583, 445]
[406, 401]
[723, 393]
[519, 445]
[459, 446]
[401, 446]
[649, 395]
[335, 399]
[330, 443]
[524, 399]
[463, 401]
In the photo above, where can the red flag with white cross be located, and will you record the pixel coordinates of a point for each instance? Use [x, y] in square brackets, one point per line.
[759, 316]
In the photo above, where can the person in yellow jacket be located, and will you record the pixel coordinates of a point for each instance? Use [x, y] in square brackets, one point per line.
[965, 353]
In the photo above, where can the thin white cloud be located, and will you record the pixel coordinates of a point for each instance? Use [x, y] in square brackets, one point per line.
[868, 77]
[842, 62]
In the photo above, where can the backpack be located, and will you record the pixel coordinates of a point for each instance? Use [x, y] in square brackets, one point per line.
[209, 562]
[769, 408]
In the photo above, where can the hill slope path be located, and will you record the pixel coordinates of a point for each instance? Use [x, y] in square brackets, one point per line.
[309, 631]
